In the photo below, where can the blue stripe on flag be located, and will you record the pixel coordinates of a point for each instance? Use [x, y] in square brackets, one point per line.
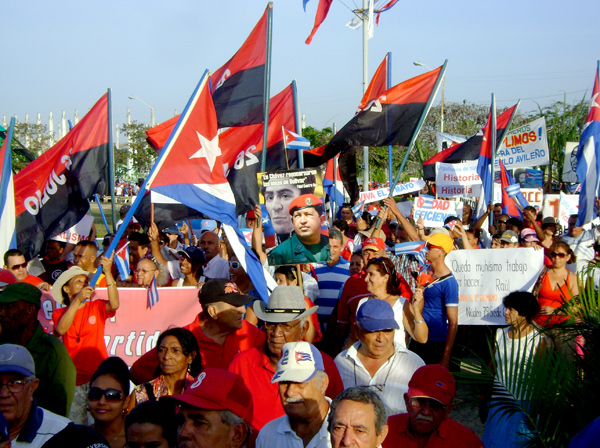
[152, 294]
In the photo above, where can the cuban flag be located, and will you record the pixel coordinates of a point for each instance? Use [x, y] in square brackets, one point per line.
[8, 236]
[291, 140]
[190, 171]
[152, 294]
[588, 159]
[385, 8]
[333, 185]
[122, 261]
[417, 248]
[358, 209]
[513, 200]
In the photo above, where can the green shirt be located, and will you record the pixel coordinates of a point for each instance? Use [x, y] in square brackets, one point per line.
[294, 251]
[55, 370]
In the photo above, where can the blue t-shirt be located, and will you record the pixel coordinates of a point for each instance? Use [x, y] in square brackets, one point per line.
[438, 295]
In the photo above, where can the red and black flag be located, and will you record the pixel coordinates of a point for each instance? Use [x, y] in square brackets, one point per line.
[51, 192]
[238, 87]
[378, 84]
[391, 119]
[468, 150]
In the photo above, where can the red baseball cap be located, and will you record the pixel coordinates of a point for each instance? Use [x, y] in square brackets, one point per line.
[7, 278]
[218, 390]
[304, 201]
[433, 381]
[374, 243]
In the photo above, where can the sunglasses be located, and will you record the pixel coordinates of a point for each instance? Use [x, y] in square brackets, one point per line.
[558, 254]
[431, 246]
[111, 395]
[18, 266]
[235, 264]
[382, 261]
[501, 222]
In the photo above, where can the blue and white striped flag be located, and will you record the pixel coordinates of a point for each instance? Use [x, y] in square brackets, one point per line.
[291, 140]
[417, 248]
[152, 294]
[357, 210]
[8, 236]
[122, 261]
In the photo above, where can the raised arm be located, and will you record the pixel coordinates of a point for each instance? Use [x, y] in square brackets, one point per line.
[410, 230]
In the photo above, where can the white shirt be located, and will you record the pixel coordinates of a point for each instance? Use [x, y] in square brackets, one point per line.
[583, 248]
[278, 433]
[390, 381]
[51, 425]
[400, 335]
[216, 268]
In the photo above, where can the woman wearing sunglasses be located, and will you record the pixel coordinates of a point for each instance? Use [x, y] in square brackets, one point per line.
[106, 400]
[179, 362]
[556, 285]
[192, 259]
[384, 283]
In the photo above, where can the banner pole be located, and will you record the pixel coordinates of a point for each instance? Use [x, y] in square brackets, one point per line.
[365, 41]
[420, 124]
[298, 129]
[267, 90]
[390, 154]
[111, 163]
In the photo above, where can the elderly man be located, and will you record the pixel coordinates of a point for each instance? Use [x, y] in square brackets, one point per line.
[215, 266]
[215, 411]
[307, 244]
[302, 385]
[332, 275]
[19, 307]
[220, 330]
[357, 418]
[429, 402]
[581, 241]
[28, 424]
[440, 310]
[285, 320]
[15, 261]
[376, 360]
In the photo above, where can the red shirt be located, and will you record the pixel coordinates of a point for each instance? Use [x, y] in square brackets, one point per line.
[213, 354]
[33, 280]
[84, 339]
[254, 367]
[450, 434]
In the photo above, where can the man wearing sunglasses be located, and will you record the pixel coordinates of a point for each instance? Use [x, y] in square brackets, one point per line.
[14, 261]
[285, 320]
[429, 401]
[28, 424]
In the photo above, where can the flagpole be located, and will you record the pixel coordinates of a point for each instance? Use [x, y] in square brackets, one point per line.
[157, 164]
[389, 86]
[4, 187]
[365, 39]
[298, 129]
[102, 213]
[420, 124]
[493, 156]
[111, 163]
[267, 90]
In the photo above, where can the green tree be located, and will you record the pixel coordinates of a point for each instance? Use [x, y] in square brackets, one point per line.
[141, 154]
[317, 138]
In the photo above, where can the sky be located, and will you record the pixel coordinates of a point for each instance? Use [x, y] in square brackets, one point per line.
[63, 54]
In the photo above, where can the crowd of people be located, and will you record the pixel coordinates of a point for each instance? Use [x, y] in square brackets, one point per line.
[357, 350]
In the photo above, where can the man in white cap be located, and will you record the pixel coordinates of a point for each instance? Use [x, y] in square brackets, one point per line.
[285, 320]
[28, 424]
[302, 384]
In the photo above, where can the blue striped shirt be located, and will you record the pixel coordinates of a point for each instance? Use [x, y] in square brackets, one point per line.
[331, 279]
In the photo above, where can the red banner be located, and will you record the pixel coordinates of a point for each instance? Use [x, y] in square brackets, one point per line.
[135, 328]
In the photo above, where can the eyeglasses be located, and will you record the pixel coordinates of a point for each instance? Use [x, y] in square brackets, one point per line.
[286, 328]
[421, 402]
[499, 221]
[15, 386]
[144, 271]
[558, 254]
[111, 395]
[16, 267]
[235, 264]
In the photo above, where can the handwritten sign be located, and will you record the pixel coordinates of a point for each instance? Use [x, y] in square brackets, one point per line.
[382, 193]
[486, 276]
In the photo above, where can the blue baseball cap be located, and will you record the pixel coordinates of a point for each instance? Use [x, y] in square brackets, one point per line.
[376, 315]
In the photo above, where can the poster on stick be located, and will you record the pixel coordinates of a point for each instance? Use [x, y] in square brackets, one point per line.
[435, 211]
[486, 276]
[457, 179]
[525, 146]
[382, 193]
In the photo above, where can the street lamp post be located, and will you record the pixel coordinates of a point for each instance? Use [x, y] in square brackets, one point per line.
[418, 63]
[152, 122]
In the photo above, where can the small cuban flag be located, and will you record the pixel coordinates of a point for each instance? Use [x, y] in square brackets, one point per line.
[357, 210]
[152, 294]
[122, 261]
[417, 248]
[291, 140]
